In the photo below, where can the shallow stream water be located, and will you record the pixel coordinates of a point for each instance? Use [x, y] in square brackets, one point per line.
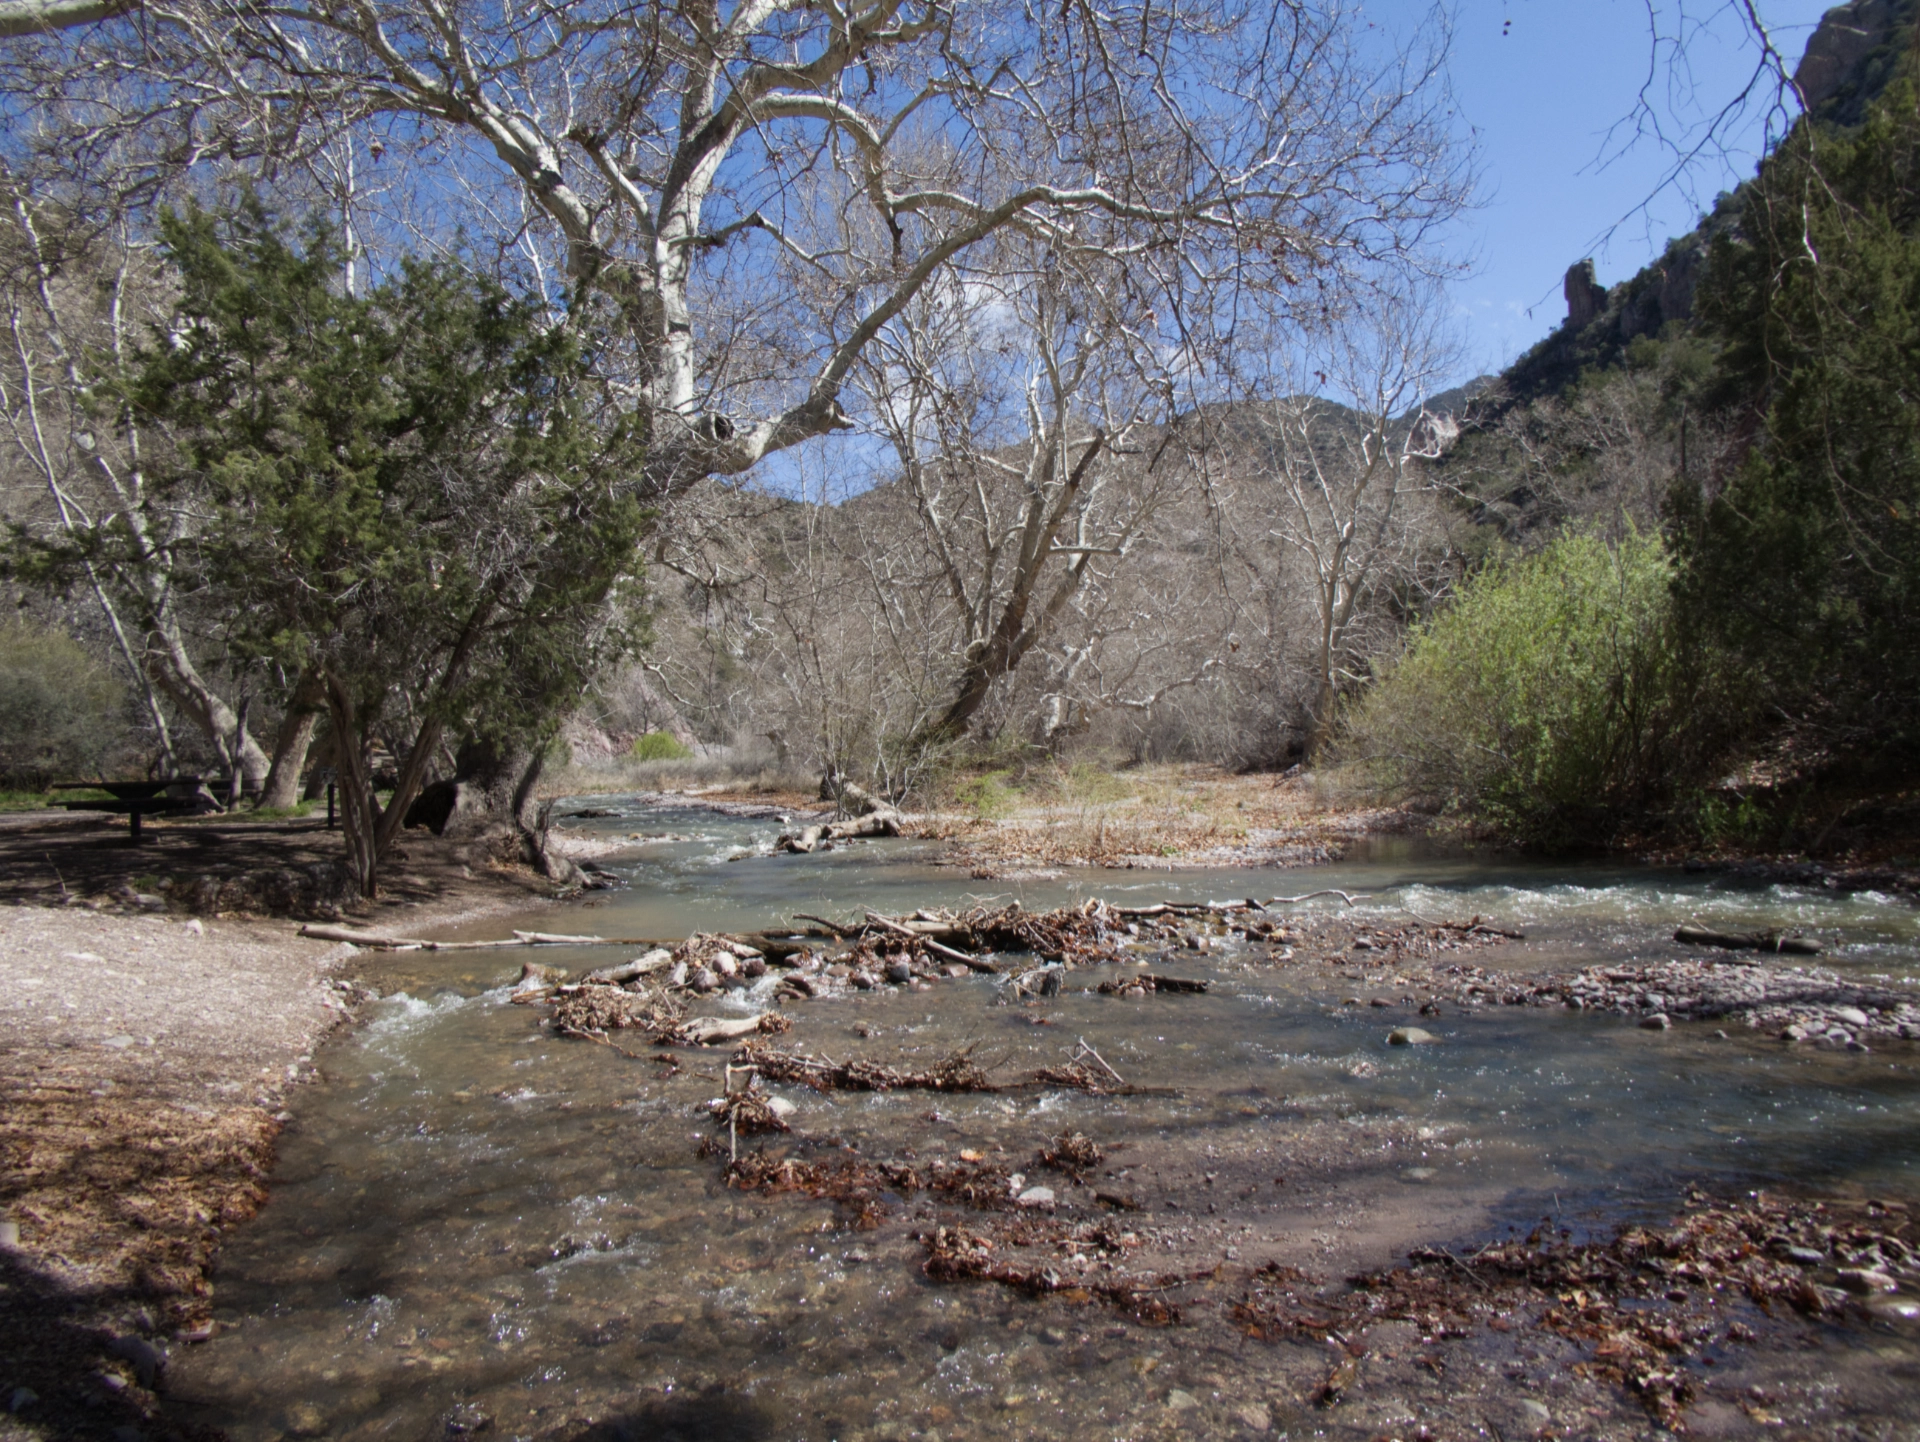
[476, 1225]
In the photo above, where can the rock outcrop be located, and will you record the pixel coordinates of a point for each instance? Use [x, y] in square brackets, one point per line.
[1586, 297]
[1847, 36]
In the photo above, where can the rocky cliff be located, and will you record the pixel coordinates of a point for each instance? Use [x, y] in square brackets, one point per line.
[1848, 61]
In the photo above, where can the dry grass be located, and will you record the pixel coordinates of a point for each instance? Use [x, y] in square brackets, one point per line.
[1165, 814]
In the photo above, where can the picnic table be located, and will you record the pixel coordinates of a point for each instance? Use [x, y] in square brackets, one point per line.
[135, 798]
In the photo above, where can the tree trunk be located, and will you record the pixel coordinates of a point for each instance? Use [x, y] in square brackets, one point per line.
[291, 743]
[181, 680]
[359, 812]
[491, 796]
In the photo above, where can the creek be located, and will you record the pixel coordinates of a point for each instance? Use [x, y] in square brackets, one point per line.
[476, 1225]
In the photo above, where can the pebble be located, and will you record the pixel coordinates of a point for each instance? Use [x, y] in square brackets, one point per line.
[9, 1234]
[1806, 1256]
[1181, 1401]
[1410, 1036]
[146, 1358]
[1036, 1197]
[1254, 1417]
[1536, 1410]
[1419, 1174]
[703, 980]
[899, 972]
[306, 1420]
[1899, 1309]
[1053, 1336]
[1659, 1021]
[118, 1043]
[1866, 1281]
[1850, 1016]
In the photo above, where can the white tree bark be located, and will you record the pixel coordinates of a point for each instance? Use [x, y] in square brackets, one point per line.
[762, 188]
[37, 17]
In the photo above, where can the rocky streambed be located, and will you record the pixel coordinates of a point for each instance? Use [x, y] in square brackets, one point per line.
[1031, 1191]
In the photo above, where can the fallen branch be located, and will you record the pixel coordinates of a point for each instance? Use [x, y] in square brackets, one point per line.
[1747, 941]
[844, 932]
[1085, 1050]
[975, 962]
[382, 941]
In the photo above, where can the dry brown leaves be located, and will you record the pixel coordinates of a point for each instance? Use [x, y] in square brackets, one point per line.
[1070, 1152]
[594, 1010]
[1648, 1300]
[131, 1197]
[747, 1114]
[956, 1073]
[960, 1254]
[862, 1186]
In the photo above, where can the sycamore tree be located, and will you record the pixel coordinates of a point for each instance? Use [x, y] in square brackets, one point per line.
[760, 188]
[416, 495]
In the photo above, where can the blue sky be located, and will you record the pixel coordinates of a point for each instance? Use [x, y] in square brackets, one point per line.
[1540, 84]
[1540, 94]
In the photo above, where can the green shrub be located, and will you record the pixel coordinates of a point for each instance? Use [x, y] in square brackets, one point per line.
[62, 712]
[1552, 697]
[986, 795]
[659, 746]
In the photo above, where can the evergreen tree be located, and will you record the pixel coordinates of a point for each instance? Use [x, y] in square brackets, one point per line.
[1804, 558]
[418, 495]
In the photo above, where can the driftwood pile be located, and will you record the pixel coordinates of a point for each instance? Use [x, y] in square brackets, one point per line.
[1145, 984]
[957, 1073]
[882, 821]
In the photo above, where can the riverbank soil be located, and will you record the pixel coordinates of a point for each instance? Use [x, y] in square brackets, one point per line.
[219, 865]
[145, 1057]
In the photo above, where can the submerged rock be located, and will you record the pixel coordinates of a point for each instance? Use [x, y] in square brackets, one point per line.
[1410, 1036]
[1866, 1281]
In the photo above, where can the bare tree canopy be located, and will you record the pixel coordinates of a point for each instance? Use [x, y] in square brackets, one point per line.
[765, 186]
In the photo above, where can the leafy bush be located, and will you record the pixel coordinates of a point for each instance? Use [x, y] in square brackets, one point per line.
[987, 795]
[62, 712]
[659, 746]
[1552, 698]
